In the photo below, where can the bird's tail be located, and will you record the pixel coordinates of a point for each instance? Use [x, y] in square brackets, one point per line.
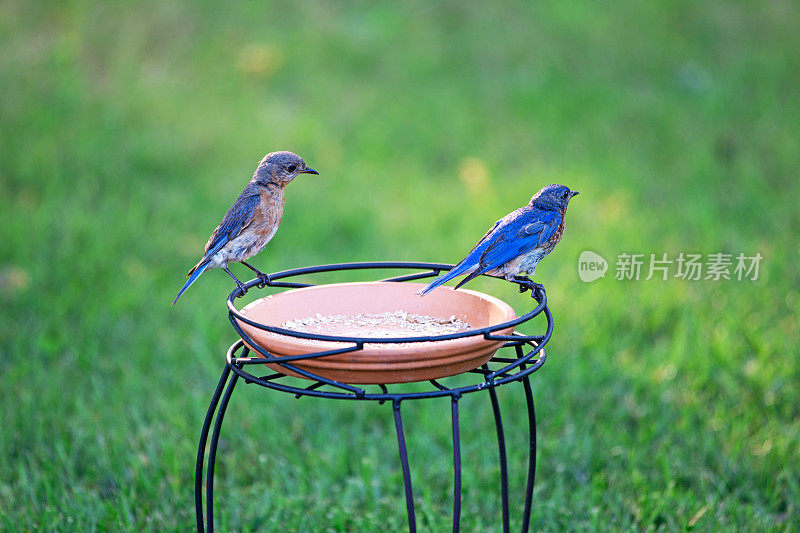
[461, 268]
[193, 275]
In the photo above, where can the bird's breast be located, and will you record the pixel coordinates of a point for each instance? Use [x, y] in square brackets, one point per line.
[269, 212]
[262, 227]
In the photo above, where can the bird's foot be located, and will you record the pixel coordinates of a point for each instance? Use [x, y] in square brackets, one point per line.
[527, 284]
[263, 279]
[524, 283]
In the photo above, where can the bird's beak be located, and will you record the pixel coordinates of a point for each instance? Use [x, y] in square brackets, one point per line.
[573, 193]
[309, 171]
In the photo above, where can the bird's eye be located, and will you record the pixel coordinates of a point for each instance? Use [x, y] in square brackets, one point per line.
[292, 168]
[565, 195]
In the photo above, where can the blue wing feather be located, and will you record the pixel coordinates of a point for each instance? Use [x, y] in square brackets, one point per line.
[238, 216]
[519, 236]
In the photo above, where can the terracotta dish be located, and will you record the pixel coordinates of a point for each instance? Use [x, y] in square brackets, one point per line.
[379, 362]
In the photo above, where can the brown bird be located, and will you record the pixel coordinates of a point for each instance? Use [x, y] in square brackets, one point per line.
[252, 220]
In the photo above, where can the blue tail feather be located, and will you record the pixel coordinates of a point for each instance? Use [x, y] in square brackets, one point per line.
[196, 274]
[459, 269]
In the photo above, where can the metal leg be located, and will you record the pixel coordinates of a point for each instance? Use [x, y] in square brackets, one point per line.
[501, 443]
[212, 454]
[201, 448]
[456, 467]
[401, 443]
[526, 516]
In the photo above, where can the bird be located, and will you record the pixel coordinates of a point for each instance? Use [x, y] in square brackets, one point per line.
[252, 220]
[516, 243]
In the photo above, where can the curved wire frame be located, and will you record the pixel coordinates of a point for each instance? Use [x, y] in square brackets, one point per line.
[512, 369]
[506, 370]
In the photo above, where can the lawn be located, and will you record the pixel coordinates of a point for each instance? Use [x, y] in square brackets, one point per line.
[127, 129]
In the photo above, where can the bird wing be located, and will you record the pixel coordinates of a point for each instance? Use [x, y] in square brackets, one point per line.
[518, 236]
[236, 219]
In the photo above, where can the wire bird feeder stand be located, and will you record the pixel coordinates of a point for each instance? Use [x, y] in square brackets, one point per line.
[498, 371]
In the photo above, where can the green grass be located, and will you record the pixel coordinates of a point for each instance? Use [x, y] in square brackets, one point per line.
[126, 130]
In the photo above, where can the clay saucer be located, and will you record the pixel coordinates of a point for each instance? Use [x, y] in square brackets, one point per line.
[397, 362]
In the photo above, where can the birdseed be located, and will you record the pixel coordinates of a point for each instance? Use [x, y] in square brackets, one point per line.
[380, 325]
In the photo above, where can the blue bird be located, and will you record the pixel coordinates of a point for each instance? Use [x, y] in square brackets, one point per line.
[517, 242]
[252, 220]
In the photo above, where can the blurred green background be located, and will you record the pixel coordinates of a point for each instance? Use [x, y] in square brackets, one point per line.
[127, 129]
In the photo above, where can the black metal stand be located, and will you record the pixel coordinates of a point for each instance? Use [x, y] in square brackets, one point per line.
[497, 372]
